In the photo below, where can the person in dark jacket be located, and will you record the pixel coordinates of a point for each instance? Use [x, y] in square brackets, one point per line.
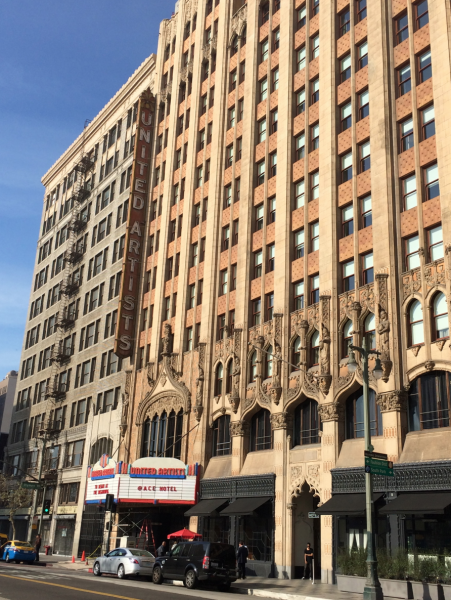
[37, 546]
[162, 550]
[241, 560]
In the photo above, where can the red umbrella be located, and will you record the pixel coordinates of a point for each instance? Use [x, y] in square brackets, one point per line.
[184, 534]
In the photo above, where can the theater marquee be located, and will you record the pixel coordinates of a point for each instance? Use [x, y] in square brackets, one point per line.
[147, 480]
[136, 228]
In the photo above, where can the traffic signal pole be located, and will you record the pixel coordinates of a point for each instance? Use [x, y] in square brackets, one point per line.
[41, 516]
[35, 499]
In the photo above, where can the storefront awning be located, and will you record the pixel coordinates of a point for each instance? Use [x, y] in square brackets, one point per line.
[244, 506]
[345, 504]
[409, 504]
[206, 508]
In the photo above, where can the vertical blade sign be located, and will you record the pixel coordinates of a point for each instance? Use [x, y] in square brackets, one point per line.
[136, 228]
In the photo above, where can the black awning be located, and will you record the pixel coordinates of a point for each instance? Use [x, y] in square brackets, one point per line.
[206, 508]
[345, 504]
[245, 506]
[409, 504]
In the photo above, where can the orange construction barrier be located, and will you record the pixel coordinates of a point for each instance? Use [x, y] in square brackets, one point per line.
[83, 556]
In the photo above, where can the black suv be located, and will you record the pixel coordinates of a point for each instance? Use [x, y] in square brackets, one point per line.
[192, 562]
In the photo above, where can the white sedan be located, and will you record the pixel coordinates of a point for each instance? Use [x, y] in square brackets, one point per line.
[124, 562]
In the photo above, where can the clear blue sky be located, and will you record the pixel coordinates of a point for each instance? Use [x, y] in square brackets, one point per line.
[61, 61]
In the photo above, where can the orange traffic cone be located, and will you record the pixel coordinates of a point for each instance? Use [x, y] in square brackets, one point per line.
[83, 556]
[87, 564]
[73, 558]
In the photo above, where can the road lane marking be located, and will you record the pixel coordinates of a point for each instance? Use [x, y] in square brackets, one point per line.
[69, 587]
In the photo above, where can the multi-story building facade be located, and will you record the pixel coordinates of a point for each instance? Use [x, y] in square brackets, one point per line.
[69, 394]
[7, 391]
[310, 136]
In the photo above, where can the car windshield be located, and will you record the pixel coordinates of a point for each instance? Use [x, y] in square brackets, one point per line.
[23, 544]
[140, 552]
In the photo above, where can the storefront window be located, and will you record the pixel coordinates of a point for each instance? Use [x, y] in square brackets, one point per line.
[306, 423]
[429, 399]
[256, 533]
[354, 415]
[431, 533]
[217, 529]
[162, 435]
[261, 433]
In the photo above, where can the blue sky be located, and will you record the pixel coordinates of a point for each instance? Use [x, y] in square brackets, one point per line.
[61, 61]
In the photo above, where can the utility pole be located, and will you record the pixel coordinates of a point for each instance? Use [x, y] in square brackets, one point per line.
[35, 497]
[372, 589]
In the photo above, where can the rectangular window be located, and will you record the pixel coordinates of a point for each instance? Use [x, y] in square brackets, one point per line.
[189, 339]
[271, 254]
[301, 17]
[346, 167]
[362, 52]
[300, 102]
[276, 39]
[261, 172]
[435, 243]
[314, 236]
[348, 276]
[314, 185]
[269, 306]
[273, 164]
[346, 116]
[315, 47]
[345, 21]
[256, 312]
[315, 7]
[365, 157]
[424, 66]
[272, 210]
[404, 80]
[401, 29]
[259, 217]
[431, 182]
[263, 89]
[300, 146]
[360, 10]
[345, 68]
[347, 221]
[409, 192]
[298, 290]
[314, 137]
[300, 62]
[421, 14]
[367, 268]
[223, 279]
[428, 122]
[406, 134]
[258, 261]
[274, 121]
[264, 50]
[315, 91]
[412, 252]
[299, 194]
[261, 131]
[314, 289]
[367, 213]
[298, 244]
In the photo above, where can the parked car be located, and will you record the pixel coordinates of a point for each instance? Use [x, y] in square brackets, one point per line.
[193, 562]
[17, 551]
[124, 562]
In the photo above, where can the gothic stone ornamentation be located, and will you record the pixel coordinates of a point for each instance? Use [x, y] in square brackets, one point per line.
[415, 350]
[281, 420]
[324, 382]
[297, 321]
[367, 297]
[429, 365]
[435, 274]
[166, 340]
[239, 428]
[200, 383]
[392, 401]
[311, 478]
[411, 283]
[164, 401]
[332, 411]
[238, 22]
[346, 301]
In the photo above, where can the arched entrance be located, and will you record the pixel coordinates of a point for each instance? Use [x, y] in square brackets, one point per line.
[305, 530]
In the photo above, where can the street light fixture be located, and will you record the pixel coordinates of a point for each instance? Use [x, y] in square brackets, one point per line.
[372, 589]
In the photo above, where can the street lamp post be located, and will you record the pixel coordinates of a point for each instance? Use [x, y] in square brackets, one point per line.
[372, 590]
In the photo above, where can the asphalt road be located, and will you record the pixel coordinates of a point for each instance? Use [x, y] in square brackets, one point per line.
[20, 582]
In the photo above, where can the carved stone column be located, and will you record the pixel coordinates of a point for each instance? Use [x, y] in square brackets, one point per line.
[383, 324]
[239, 432]
[394, 420]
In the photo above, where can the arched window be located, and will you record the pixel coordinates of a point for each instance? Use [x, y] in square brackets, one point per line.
[253, 369]
[102, 446]
[162, 435]
[347, 338]
[306, 423]
[229, 381]
[268, 362]
[221, 436]
[370, 332]
[297, 352]
[261, 433]
[315, 349]
[218, 379]
[429, 401]
[416, 332]
[234, 46]
[440, 328]
[354, 415]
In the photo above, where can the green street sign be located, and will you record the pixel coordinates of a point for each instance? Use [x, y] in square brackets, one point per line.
[378, 467]
[31, 485]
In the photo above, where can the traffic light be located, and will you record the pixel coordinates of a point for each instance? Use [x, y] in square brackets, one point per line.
[47, 506]
[109, 503]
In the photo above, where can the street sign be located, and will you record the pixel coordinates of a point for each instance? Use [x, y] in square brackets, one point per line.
[313, 515]
[31, 485]
[377, 455]
[378, 467]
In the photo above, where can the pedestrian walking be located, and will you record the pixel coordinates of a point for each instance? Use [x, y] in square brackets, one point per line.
[37, 546]
[162, 550]
[241, 560]
[308, 558]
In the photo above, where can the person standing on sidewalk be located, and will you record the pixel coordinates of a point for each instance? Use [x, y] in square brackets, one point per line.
[37, 546]
[241, 559]
[308, 558]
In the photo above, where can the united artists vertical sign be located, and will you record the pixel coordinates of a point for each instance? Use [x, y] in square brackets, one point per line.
[136, 228]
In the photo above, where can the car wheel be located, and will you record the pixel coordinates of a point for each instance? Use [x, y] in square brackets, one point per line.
[7, 559]
[96, 569]
[224, 587]
[157, 576]
[190, 579]
[121, 572]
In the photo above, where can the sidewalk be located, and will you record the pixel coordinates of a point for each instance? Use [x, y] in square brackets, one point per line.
[290, 589]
